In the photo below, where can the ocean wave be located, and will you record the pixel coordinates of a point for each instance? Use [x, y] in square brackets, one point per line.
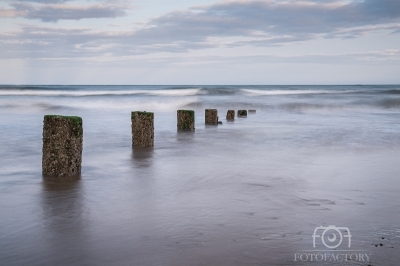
[390, 103]
[80, 93]
[88, 91]
[99, 104]
[219, 91]
[291, 92]
[300, 107]
[393, 91]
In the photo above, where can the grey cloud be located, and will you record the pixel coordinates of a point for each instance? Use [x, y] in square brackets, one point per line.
[272, 18]
[228, 24]
[69, 12]
[57, 44]
[360, 31]
[54, 42]
[50, 42]
[382, 8]
[44, 1]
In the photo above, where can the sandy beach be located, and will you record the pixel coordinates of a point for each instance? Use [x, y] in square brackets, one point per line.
[247, 192]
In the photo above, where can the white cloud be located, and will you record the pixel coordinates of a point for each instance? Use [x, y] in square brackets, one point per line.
[9, 13]
[230, 34]
[227, 24]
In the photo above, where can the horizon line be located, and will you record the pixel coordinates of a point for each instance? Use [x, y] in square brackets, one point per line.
[372, 84]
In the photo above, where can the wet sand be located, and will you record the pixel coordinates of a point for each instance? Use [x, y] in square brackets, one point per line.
[248, 192]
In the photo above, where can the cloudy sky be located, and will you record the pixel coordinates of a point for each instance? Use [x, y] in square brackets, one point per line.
[199, 42]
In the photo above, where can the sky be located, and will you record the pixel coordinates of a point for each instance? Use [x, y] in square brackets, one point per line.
[209, 42]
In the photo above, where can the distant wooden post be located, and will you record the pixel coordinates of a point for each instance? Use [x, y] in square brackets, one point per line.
[185, 120]
[230, 115]
[242, 113]
[62, 146]
[211, 117]
[142, 129]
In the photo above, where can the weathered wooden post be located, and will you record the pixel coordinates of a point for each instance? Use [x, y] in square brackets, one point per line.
[185, 120]
[211, 117]
[142, 129]
[62, 146]
[242, 113]
[230, 115]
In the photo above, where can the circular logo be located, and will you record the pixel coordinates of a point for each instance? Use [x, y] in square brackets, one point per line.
[332, 237]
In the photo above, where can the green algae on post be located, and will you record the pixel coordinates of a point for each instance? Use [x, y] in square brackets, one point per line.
[62, 145]
[185, 120]
[142, 129]
[242, 113]
[75, 120]
[211, 117]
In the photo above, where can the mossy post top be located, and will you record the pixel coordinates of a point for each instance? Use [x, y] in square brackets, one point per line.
[190, 112]
[75, 119]
[142, 113]
[76, 122]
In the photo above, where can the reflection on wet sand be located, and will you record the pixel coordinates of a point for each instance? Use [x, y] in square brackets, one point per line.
[64, 220]
[185, 136]
[142, 158]
[250, 192]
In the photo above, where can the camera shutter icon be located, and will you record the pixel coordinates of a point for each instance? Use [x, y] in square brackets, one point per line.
[331, 236]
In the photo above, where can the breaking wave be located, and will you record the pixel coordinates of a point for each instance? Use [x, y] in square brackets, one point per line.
[182, 91]
[83, 93]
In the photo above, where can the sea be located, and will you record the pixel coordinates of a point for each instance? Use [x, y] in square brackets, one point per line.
[311, 178]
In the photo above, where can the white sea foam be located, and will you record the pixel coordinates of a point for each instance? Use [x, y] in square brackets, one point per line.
[289, 92]
[143, 105]
[168, 92]
[97, 104]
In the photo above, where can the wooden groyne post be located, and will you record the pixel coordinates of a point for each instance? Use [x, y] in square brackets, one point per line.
[142, 129]
[62, 146]
[211, 117]
[242, 113]
[185, 120]
[230, 115]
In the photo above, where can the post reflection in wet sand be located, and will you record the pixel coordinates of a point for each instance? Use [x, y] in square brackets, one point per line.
[142, 158]
[64, 220]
